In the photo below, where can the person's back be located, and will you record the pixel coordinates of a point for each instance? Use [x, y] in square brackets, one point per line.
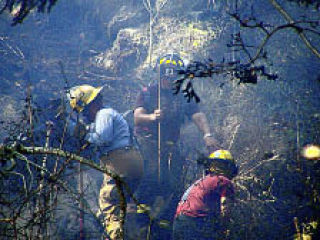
[109, 130]
[203, 198]
[204, 203]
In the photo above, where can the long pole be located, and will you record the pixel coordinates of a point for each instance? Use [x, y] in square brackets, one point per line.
[298, 135]
[81, 218]
[80, 186]
[81, 44]
[159, 126]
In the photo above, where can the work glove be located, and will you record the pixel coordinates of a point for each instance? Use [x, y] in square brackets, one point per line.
[80, 130]
[77, 126]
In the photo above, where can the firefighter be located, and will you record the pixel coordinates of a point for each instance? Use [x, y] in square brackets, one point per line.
[107, 130]
[157, 106]
[205, 206]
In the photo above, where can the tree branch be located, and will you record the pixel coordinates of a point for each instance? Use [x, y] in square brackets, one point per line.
[291, 21]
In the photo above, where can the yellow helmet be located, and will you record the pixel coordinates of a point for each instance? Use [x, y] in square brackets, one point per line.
[172, 59]
[81, 96]
[170, 64]
[223, 163]
[221, 154]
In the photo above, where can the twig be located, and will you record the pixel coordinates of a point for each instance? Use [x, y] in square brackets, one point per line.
[247, 23]
[44, 160]
[23, 180]
[41, 185]
[299, 31]
[102, 77]
[266, 39]
[274, 158]
[30, 112]
[120, 184]
[16, 51]
[233, 136]
[296, 225]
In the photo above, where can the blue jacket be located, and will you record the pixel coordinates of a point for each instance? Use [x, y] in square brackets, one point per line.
[109, 131]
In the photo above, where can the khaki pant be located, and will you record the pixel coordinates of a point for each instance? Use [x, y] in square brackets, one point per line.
[128, 163]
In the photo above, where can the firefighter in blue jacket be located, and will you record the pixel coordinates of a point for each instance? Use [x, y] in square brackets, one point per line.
[106, 129]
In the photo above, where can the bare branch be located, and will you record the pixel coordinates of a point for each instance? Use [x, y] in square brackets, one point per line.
[274, 158]
[233, 136]
[299, 31]
[19, 150]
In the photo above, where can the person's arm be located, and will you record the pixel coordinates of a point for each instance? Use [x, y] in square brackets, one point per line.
[225, 213]
[225, 207]
[76, 126]
[141, 116]
[101, 131]
[201, 121]
[226, 201]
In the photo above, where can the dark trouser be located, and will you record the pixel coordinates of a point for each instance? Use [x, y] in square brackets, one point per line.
[161, 194]
[192, 228]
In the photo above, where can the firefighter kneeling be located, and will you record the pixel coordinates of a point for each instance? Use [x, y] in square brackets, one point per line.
[205, 203]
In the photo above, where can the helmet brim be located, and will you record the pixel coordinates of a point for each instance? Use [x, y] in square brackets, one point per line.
[74, 102]
[94, 94]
